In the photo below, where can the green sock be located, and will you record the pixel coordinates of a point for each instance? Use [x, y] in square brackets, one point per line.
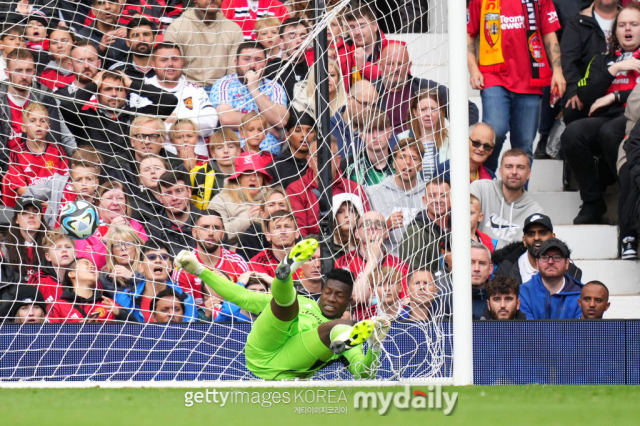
[283, 292]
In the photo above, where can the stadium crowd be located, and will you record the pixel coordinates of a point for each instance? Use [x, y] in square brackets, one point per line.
[196, 127]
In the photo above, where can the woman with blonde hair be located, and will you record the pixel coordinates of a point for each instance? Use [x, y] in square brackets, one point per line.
[239, 201]
[124, 254]
[304, 92]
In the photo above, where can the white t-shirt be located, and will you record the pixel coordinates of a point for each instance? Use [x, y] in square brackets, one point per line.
[526, 269]
[606, 26]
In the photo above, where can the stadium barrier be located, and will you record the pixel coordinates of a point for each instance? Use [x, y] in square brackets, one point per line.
[515, 352]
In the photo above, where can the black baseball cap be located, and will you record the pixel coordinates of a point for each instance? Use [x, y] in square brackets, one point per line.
[25, 202]
[553, 243]
[540, 219]
[299, 118]
[27, 295]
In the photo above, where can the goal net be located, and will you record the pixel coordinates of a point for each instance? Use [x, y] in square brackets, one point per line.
[189, 131]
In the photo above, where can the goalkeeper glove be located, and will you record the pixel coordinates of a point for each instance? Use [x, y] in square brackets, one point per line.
[381, 327]
[189, 262]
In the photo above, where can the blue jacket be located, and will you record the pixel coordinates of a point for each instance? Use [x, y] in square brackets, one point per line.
[537, 303]
[128, 299]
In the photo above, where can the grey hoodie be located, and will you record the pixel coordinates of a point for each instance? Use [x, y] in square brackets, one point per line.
[502, 221]
[387, 197]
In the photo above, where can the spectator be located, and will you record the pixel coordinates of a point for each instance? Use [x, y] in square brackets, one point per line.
[160, 12]
[552, 293]
[594, 300]
[141, 37]
[146, 202]
[344, 122]
[21, 246]
[476, 218]
[295, 64]
[193, 102]
[282, 233]
[85, 64]
[373, 164]
[293, 161]
[28, 307]
[114, 209]
[208, 41]
[59, 71]
[248, 90]
[35, 34]
[246, 14]
[399, 197]
[423, 294]
[505, 202]
[73, 14]
[105, 31]
[371, 233]
[208, 179]
[59, 252]
[212, 303]
[397, 86]
[347, 209]
[230, 312]
[420, 242]
[481, 269]
[10, 39]
[386, 285]
[209, 234]
[168, 306]
[239, 202]
[35, 158]
[586, 35]
[425, 119]
[81, 183]
[304, 98]
[105, 124]
[124, 257]
[518, 260]
[482, 141]
[503, 302]
[81, 300]
[156, 272]
[253, 240]
[303, 193]
[174, 225]
[183, 138]
[267, 34]
[629, 194]
[15, 95]
[310, 283]
[253, 130]
[604, 90]
[514, 64]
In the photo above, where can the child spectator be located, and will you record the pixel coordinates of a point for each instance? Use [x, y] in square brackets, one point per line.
[208, 179]
[59, 251]
[230, 312]
[476, 217]
[168, 306]
[347, 209]
[266, 33]
[36, 32]
[81, 301]
[282, 233]
[59, 71]
[212, 302]
[10, 39]
[253, 131]
[146, 203]
[387, 285]
[183, 135]
[28, 307]
[35, 158]
[124, 255]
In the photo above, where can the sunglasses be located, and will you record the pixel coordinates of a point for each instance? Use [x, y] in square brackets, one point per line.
[154, 256]
[485, 146]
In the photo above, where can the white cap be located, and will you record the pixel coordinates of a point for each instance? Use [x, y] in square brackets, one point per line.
[355, 201]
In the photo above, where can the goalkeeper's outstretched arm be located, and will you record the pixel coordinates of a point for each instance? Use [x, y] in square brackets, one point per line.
[251, 301]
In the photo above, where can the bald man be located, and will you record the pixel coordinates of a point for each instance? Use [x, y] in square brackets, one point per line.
[362, 95]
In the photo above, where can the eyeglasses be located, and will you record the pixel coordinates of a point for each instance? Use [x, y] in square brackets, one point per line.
[485, 146]
[123, 245]
[376, 224]
[555, 257]
[153, 137]
[154, 256]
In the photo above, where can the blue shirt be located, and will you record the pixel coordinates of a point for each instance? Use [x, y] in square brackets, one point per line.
[230, 90]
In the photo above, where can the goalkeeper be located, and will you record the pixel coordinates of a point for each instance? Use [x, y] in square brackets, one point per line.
[294, 336]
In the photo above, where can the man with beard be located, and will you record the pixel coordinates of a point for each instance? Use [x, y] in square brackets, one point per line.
[248, 91]
[594, 300]
[105, 32]
[518, 260]
[85, 63]
[209, 234]
[193, 102]
[505, 201]
[503, 302]
[141, 36]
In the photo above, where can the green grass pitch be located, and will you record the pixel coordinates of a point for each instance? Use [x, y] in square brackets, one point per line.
[477, 405]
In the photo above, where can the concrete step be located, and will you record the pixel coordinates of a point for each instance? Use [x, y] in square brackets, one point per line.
[623, 307]
[562, 207]
[590, 242]
[546, 176]
[620, 276]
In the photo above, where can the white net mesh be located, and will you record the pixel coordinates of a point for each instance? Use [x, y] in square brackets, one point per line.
[182, 141]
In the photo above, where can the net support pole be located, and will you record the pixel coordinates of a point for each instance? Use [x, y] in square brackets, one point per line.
[323, 117]
[460, 217]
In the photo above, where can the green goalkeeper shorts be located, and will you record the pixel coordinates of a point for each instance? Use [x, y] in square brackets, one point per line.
[278, 350]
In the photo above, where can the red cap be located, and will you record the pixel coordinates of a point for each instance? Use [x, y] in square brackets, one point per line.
[248, 163]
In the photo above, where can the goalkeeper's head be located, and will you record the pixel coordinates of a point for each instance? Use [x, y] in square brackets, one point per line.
[336, 293]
